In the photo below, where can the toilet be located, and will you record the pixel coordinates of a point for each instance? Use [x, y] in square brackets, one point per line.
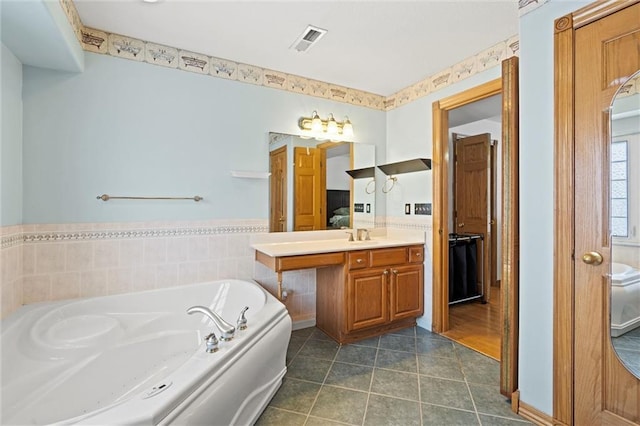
[625, 299]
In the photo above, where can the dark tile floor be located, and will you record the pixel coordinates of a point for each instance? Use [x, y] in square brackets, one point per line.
[409, 377]
[628, 348]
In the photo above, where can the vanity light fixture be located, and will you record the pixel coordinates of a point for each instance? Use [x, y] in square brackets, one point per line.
[315, 127]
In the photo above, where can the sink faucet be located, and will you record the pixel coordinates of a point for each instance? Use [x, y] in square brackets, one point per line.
[226, 330]
[363, 234]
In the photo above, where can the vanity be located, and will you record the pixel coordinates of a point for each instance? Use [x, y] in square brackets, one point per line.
[363, 288]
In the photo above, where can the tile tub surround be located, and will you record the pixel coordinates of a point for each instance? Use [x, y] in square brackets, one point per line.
[65, 261]
[49, 262]
[11, 266]
[409, 377]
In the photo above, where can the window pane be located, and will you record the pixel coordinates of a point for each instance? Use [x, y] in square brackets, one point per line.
[619, 170]
[619, 227]
[619, 189]
[619, 151]
[619, 208]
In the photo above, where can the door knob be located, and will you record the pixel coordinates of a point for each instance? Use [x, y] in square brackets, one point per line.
[592, 258]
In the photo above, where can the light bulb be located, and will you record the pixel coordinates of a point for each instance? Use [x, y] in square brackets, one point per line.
[347, 128]
[316, 123]
[332, 126]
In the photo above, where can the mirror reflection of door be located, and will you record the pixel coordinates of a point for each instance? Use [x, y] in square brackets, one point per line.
[325, 201]
[278, 190]
[308, 188]
[624, 209]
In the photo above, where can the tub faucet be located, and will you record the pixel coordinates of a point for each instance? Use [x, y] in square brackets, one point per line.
[226, 329]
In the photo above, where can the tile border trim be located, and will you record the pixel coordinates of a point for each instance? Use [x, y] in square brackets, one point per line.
[102, 42]
[27, 237]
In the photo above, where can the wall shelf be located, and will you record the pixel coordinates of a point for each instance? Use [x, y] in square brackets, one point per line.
[367, 172]
[250, 174]
[408, 166]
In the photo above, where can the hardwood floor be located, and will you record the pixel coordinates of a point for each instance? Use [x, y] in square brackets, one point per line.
[476, 325]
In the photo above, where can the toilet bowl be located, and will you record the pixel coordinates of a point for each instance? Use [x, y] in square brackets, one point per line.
[625, 299]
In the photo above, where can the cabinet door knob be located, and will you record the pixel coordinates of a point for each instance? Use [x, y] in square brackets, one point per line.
[418, 254]
[395, 271]
[386, 272]
[359, 261]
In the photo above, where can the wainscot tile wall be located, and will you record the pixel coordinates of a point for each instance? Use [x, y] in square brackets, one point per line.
[56, 262]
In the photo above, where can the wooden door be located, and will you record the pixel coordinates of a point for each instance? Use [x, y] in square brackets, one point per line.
[367, 298]
[607, 52]
[406, 292]
[472, 195]
[278, 190]
[307, 212]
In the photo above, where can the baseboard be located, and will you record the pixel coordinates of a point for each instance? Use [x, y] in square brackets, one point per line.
[530, 413]
[300, 324]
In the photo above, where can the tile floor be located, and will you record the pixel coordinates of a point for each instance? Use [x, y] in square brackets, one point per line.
[628, 348]
[409, 377]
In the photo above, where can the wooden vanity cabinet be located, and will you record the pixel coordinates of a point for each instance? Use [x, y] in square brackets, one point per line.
[376, 291]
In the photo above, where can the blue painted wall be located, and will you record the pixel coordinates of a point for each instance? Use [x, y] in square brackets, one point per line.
[128, 128]
[536, 203]
[11, 144]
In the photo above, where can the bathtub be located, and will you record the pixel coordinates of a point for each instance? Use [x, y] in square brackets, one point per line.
[625, 299]
[139, 359]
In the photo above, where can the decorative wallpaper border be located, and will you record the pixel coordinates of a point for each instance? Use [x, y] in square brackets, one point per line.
[526, 6]
[97, 41]
[26, 237]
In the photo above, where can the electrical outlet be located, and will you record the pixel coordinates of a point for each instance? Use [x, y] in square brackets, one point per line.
[422, 208]
[407, 209]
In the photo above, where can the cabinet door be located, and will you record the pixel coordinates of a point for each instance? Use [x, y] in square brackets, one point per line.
[367, 298]
[407, 291]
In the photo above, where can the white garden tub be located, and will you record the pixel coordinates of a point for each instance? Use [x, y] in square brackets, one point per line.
[139, 359]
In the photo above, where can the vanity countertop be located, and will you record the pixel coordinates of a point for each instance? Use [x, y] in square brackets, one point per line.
[296, 244]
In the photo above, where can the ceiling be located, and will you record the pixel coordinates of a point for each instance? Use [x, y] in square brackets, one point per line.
[376, 46]
[486, 109]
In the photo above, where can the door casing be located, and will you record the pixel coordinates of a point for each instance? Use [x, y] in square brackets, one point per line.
[508, 86]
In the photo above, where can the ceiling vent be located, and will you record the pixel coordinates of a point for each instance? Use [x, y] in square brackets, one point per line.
[308, 38]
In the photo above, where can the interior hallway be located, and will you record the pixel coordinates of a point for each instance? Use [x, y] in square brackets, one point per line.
[476, 325]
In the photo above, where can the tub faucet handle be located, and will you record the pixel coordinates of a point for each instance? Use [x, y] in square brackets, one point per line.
[226, 329]
[242, 321]
[212, 343]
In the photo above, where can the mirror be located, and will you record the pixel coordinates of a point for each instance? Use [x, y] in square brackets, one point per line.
[625, 223]
[310, 189]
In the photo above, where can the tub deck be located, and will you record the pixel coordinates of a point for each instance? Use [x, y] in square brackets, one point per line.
[129, 359]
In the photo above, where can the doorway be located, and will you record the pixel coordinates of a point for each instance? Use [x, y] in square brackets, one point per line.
[474, 303]
[508, 300]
